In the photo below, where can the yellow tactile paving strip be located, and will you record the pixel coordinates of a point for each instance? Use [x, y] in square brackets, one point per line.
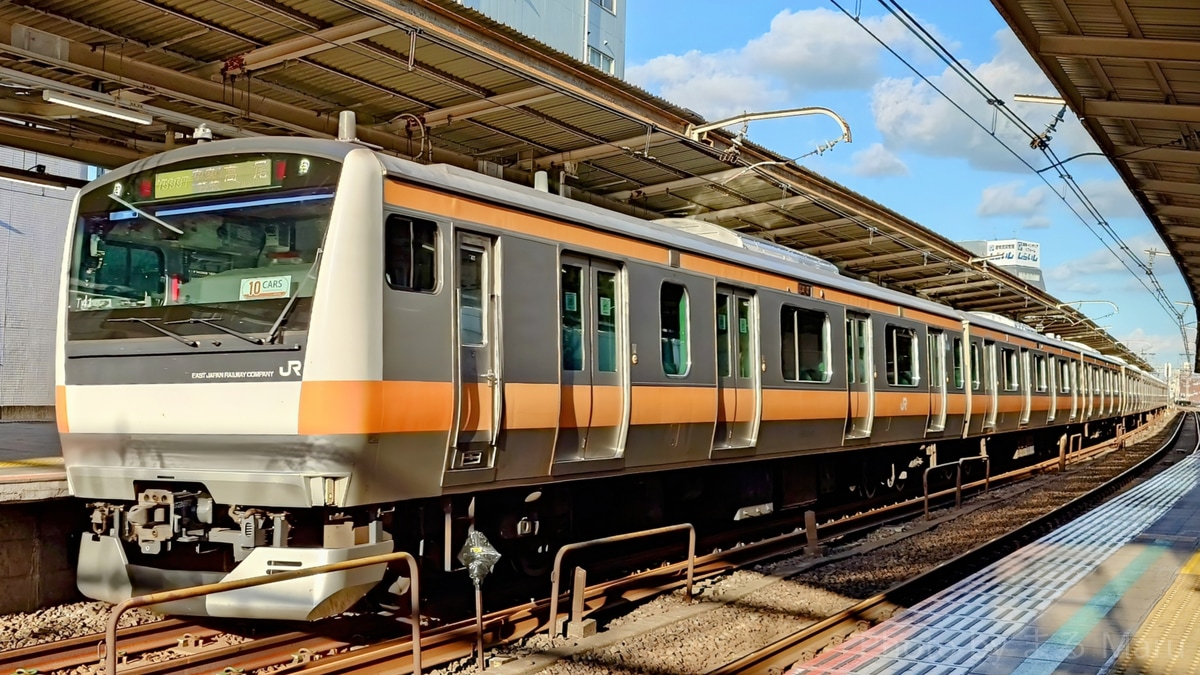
[1165, 643]
[33, 463]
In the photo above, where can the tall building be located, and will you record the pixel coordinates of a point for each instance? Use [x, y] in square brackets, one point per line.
[33, 222]
[592, 31]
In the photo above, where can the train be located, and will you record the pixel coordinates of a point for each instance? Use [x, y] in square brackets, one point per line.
[274, 353]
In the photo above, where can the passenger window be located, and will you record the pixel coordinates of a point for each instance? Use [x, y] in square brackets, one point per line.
[723, 367]
[410, 254]
[606, 322]
[1041, 371]
[471, 292]
[958, 363]
[743, 337]
[1012, 376]
[901, 353]
[673, 314]
[804, 335]
[976, 375]
[571, 283]
[1064, 379]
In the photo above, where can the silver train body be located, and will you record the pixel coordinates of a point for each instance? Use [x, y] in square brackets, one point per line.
[266, 344]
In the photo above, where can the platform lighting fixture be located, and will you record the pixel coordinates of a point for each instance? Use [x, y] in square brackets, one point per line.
[97, 108]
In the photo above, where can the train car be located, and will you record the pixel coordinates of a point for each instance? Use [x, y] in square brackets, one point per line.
[276, 353]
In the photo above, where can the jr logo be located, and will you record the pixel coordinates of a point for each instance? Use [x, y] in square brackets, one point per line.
[292, 368]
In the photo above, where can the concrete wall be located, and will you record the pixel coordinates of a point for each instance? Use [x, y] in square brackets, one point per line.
[39, 545]
[33, 222]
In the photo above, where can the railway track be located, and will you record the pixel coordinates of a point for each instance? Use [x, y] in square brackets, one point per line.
[368, 644]
[802, 646]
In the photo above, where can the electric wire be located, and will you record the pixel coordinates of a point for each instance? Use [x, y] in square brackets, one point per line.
[956, 66]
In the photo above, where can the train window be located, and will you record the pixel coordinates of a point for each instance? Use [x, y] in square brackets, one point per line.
[958, 363]
[723, 305]
[937, 361]
[743, 337]
[1040, 371]
[1064, 376]
[804, 335]
[410, 256]
[976, 370]
[1012, 376]
[571, 285]
[471, 320]
[606, 322]
[901, 353]
[673, 313]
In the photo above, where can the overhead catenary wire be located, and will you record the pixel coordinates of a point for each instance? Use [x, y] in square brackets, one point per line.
[953, 64]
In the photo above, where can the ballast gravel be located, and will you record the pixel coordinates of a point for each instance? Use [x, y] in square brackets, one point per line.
[746, 610]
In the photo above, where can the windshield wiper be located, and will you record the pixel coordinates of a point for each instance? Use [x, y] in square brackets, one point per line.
[164, 331]
[287, 309]
[210, 323]
[140, 212]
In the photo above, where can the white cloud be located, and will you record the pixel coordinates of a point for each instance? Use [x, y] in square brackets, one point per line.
[1006, 200]
[1100, 271]
[877, 162]
[1037, 223]
[817, 49]
[1158, 348]
[1111, 198]
[912, 116]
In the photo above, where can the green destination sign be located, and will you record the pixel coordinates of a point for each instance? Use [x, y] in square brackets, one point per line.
[208, 179]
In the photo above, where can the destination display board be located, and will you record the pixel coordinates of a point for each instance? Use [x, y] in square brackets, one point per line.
[252, 173]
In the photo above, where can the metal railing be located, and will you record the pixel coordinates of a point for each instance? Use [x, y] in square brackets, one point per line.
[110, 634]
[562, 552]
[958, 487]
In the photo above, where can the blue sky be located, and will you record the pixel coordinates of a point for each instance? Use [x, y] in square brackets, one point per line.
[912, 151]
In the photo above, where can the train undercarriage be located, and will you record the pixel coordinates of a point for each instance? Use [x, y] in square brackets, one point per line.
[175, 535]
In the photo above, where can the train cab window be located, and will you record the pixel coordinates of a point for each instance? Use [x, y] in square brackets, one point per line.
[976, 368]
[804, 335]
[137, 268]
[957, 356]
[1040, 371]
[410, 254]
[673, 314]
[901, 353]
[571, 289]
[1012, 376]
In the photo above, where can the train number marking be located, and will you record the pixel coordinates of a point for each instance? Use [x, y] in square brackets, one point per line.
[292, 368]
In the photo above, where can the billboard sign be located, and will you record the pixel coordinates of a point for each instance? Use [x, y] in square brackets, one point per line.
[1013, 253]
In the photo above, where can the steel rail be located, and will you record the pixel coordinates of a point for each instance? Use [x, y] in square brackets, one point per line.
[783, 654]
[110, 635]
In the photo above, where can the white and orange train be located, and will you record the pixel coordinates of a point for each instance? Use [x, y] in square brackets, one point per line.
[277, 353]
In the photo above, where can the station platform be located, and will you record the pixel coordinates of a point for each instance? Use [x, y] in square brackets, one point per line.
[1115, 591]
[31, 466]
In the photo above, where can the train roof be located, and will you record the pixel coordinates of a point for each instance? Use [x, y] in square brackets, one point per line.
[684, 234]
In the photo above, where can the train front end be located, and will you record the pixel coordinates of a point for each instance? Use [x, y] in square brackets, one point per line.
[202, 289]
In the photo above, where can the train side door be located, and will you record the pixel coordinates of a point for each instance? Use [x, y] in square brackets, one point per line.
[937, 380]
[739, 398]
[1073, 378]
[593, 404]
[479, 398]
[860, 375]
[1027, 385]
[992, 382]
[1052, 386]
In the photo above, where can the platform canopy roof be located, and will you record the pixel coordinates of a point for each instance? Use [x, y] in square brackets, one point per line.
[428, 79]
[1130, 69]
